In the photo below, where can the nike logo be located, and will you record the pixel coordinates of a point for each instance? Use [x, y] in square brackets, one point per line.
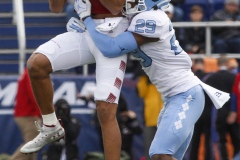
[122, 49]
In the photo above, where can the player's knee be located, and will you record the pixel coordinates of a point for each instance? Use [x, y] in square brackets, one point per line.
[38, 65]
[106, 111]
[162, 157]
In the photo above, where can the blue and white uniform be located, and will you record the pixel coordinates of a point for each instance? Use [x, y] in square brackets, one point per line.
[164, 61]
[169, 69]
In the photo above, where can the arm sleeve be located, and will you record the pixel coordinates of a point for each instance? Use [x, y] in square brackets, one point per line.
[111, 46]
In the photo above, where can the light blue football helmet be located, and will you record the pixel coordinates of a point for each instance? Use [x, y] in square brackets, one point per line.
[136, 6]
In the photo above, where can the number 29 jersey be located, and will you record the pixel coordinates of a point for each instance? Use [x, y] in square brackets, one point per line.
[165, 62]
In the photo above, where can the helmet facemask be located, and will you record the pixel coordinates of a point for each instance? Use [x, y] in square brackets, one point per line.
[134, 6]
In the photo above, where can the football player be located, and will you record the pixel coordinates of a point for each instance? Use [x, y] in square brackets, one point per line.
[152, 39]
[73, 49]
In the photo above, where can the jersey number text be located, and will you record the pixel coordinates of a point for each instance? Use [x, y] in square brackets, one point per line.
[149, 24]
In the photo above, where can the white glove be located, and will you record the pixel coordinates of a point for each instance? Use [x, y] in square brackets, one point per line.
[75, 25]
[83, 8]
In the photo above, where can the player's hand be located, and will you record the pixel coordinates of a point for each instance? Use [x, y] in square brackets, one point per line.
[75, 25]
[83, 8]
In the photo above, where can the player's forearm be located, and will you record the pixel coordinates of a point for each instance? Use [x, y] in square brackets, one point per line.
[114, 6]
[57, 6]
[109, 46]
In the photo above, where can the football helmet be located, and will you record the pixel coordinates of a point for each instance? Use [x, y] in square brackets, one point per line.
[136, 6]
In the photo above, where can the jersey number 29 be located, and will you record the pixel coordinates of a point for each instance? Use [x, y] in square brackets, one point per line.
[149, 24]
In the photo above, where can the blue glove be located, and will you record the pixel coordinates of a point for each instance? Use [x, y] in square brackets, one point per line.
[83, 8]
[75, 25]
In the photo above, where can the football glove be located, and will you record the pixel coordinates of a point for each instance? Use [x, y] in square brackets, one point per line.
[83, 8]
[75, 25]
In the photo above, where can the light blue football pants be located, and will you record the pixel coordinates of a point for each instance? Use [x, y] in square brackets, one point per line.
[176, 123]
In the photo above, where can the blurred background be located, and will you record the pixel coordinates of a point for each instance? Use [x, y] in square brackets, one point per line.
[206, 29]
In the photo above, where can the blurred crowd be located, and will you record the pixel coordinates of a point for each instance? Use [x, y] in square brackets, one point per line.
[220, 128]
[192, 39]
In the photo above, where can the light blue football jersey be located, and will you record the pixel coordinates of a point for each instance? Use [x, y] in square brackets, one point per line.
[165, 62]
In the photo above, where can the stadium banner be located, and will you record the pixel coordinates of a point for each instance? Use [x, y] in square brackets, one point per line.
[67, 87]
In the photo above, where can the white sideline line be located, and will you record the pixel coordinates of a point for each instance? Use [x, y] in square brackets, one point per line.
[73, 111]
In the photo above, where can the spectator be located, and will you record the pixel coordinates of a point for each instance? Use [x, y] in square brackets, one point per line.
[170, 12]
[225, 123]
[233, 65]
[67, 149]
[203, 124]
[235, 105]
[25, 112]
[195, 44]
[178, 11]
[171, 15]
[153, 104]
[198, 68]
[226, 39]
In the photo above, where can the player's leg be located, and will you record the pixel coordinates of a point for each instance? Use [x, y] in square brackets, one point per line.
[160, 156]
[62, 52]
[109, 81]
[183, 148]
[175, 124]
[110, 130]
[39, 68]
[109, 77]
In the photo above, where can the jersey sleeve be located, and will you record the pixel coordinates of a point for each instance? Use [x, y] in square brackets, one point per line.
[148, 24]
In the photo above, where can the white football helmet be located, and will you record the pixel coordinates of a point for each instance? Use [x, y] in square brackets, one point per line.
[136, 6]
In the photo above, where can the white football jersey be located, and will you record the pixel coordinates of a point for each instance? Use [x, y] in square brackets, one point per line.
[164, 61]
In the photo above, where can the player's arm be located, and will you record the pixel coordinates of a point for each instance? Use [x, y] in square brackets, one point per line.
[115, 46]
[114, 6]
[57, 6]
